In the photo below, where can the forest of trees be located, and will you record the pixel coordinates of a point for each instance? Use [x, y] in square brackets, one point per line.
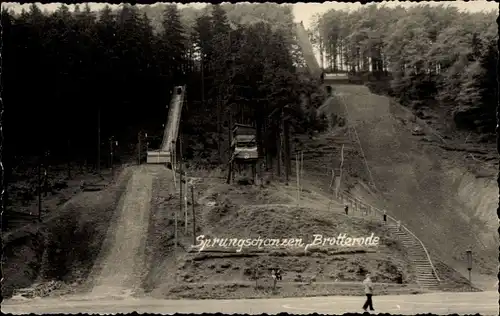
[66, 70]
[433, 56]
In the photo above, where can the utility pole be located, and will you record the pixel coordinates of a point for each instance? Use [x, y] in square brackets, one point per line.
[194, 214]
[99, 141]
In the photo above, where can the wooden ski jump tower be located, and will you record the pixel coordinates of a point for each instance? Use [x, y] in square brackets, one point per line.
[243, 150]
[164, 155]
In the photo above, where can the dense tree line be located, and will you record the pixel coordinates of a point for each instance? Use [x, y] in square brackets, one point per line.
[431, 53]
[66, 71]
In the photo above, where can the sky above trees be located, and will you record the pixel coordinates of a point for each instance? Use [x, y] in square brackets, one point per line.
[306, 11]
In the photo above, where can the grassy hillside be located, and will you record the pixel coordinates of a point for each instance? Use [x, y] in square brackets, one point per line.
[241, 211]
[429, 182]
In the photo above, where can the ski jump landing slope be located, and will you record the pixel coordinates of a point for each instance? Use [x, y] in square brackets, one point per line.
[163, 155]
[120, 265]
[427, 187]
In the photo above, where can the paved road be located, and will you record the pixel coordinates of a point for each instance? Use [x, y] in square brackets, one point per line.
[485, 303]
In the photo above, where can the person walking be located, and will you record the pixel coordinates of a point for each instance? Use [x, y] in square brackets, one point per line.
[346, 209]
[385, 217]
[399, 225]
[368, 292]
[278, 275]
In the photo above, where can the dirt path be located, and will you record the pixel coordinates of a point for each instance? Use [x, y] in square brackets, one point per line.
[121, 266]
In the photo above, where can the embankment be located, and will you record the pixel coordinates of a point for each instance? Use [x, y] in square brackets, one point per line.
[429, 188]
[65, 245]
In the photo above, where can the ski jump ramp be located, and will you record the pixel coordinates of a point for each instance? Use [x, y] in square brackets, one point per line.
[164, 154]
[307, 50]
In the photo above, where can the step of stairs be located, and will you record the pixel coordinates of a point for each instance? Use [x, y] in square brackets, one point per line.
[422, 266]
[420, 261]
[427, 271]
[416, 253]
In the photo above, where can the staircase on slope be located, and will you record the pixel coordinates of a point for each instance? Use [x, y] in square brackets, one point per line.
[416, 254]
[426, 277]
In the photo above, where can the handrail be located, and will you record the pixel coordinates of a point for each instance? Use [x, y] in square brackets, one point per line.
[404, 227]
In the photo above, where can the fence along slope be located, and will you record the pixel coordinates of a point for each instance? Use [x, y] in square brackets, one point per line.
[366, 205]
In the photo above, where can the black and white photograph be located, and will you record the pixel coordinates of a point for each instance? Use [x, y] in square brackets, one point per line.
[250, 158]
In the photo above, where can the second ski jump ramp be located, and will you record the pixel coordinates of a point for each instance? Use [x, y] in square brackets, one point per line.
[163, 155]
[307, 50]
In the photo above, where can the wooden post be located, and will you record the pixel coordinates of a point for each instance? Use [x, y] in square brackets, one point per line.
[177, 212]
[111, 155]
[174, 162]
[45, 180]
[175, 238]
[341, 167]
[278, 146]
[281, 130]
[230, 171]
[139, 148]
[203, 81]
[230, 160]
[255, 275]
[185, 207]
[181, 202]
[39, 192]
[333, 178]
[298, 175]
[69, 159]
[99, 141]
[194, 214]
[287, 150]
[301, 168]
